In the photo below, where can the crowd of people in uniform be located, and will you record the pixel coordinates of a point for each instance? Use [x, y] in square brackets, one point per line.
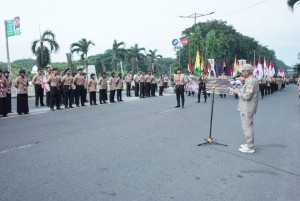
[69, 90]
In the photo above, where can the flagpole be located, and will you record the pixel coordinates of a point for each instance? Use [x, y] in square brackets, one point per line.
[7, 49]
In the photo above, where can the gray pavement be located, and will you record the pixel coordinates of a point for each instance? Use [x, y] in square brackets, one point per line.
[147, 150]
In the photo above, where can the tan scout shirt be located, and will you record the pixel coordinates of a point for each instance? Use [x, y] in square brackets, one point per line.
[79, 80]
[37, 79]
[161, 81]
[2, 87]
[102, 83]
[153, 80]
[128, 78]
[142, 78]
[112, 83]
[248, 97]
[67, 80]
[119, 83]
[180, 79]
[53, 81]
[148, 78]
[8, 86]
[22, 85]
[92, 85]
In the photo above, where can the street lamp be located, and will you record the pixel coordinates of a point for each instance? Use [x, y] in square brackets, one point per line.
[196, 15]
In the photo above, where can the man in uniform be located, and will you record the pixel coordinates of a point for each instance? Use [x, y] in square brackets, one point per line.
[93, 88]
[179, 81]
[85, 85]
[248, 100]
[48, 74]
[112, 88]
[142, 80]
[3, 105]
[79, 81]
[128, 80]
[148, 84]
[102, 89]
[22, 84]
[136, 84]
[153, 84]
[67, 82]
[53, 82]
[262, 86]
[119, 87]
[8, 90]
[161, 83]
[166, 80]
[38, 89]
[202, 88]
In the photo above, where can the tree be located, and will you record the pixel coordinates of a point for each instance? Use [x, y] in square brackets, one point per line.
[135, 56]
[40, 48]
[196, 43]
[292, 3]
[118, 53]
[212, 46]
[82, 47]
[153, 59]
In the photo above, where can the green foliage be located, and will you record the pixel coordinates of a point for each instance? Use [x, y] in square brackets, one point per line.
[292, 3]
[212, 45]
[82, 48]
[135, 57]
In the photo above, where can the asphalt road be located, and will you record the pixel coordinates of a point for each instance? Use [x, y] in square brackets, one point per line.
[145, 150]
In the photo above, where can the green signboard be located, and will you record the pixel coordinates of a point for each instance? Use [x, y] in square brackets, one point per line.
[12, 27]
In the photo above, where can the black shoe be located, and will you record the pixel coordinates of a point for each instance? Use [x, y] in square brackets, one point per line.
[71, 106]
[26, 113]
[59, 108]
[66, 107]
[36, 105]
[178, 106]
[182, 106]
[198, 101]
[77, 106]
[121, 100]
[83, 105]
[95, 104]
[43, 105]
[52, 109]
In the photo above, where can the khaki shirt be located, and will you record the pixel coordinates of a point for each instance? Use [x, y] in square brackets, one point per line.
[21, 85]
[79, 80]
[102, 83]
[67, 80]
[119, 83]
[148, 78]
[112, 83]
[142, 78]
[153, 80]
[128, 78]
[92, 85]
[2, 87]
[248, 97]
[161, 81]
[53, 81]
[8, 86]
[180, 79]
[37, 79]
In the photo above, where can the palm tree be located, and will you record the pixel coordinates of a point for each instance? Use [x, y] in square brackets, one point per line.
[153, 59]
[292, 3]
[118, 52]
[82, 47]
[135, 56]
[40, 48]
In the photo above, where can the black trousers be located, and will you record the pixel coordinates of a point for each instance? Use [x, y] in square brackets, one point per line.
[119, 94]
[61, 93]
[54, 97]
[262, 89]
[165, 84]
[8, 102]
[3, 106]
[79, 93]
[179, 93]
[161, 90]
[48, 98]
[136, 89]
[112, 96]
[39, 94]
[203, 90]
[84, 94]
[102, 95]
[142, 89]
[93, 98]
[147, 89]
[22, 103]
[153, 87]
[68, 96]
[128, 88]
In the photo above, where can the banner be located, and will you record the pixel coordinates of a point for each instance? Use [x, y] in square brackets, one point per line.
[12, 27]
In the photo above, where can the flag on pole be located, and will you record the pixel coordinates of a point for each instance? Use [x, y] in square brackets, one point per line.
[260, 69]
[272, 69]
[202, 65]
[236, 67]
[197, 65]
[211, 67]
[190, 67]
[266, 69]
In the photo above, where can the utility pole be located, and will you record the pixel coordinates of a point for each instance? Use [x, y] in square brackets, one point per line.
[196, 15]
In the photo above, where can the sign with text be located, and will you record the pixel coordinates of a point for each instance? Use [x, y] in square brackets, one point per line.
[12, 27]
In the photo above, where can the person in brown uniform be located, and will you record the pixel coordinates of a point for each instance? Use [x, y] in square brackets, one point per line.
[166, 80]
[148, 84]
[161, 83]
[48, 74]
[38, 89]
[3, 106]
[102, 89]
[79, 81]
[202, 88]
[112, 89]
[67, 82]
[137, 84]
[142, 80]
[53, 82]
[128, 80]
[262, 86]
[61, 87]
[22, 84]
[8, 90]
[119, 87]
[85, 86]
[153, 84]
[92, 88]
[179, 81]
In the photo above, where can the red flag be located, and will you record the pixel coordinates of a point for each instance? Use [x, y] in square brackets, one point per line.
[190, 67]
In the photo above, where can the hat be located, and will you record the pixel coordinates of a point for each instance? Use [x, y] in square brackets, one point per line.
[22, 71]
[67, 70]
[246, 67]
[79, 69]
[6, 71]
[53, 69]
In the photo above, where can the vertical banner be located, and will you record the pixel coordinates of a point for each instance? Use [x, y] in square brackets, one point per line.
[17, 25]
[12, 27]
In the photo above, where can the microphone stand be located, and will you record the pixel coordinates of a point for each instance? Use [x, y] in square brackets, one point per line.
[210, 140]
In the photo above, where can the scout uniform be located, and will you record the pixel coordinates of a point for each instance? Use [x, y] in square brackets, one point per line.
[53, 82]
[67, 82]
[136, 84]
[92, 84]
[102, 89]
[148, 84]
[224, 78]
[79, 81]
[161, 83]
[179, 80]
[38, 89]
[112, 89]
[153, 85]
[202, 88]
[128, 80]
[119, 87]
[21, 84]
[3, 105]
[142, 80]
[262, 86]
[8, 91]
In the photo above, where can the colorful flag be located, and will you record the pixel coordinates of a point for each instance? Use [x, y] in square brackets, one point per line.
[266, 69]
[197, 65]
[272, 69]
[236, 67]
[202, 65]
[190, 67]
[211, 66]
[260, 69]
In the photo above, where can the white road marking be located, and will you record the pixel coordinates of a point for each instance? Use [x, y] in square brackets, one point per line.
[19, 147]
[169, 110]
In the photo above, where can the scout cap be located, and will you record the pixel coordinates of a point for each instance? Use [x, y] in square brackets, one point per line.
[247, 67]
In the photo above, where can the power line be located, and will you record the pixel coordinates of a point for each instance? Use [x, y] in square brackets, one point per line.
[242, 9]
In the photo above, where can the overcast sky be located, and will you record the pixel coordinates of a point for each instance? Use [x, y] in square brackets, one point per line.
[151, 24]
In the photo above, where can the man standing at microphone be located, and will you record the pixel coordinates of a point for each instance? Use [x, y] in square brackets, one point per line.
[248, 100]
